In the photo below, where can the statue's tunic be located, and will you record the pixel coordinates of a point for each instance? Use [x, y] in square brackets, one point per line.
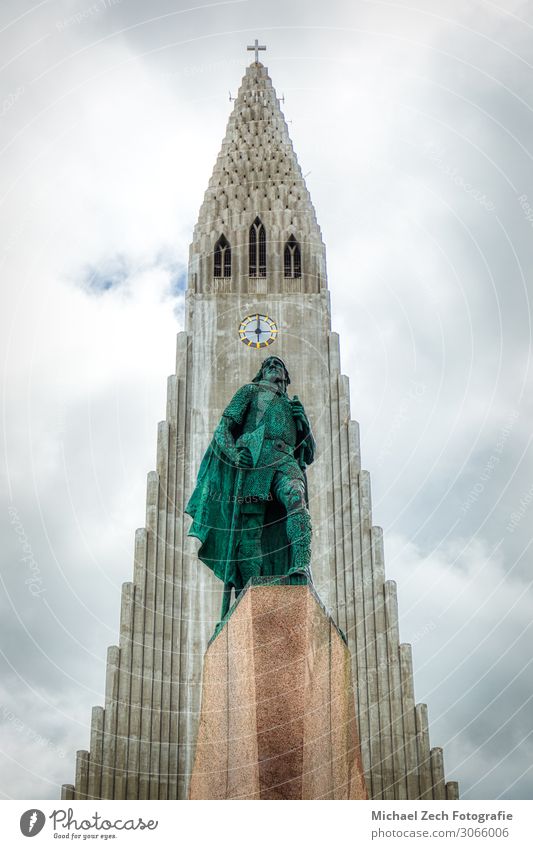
[257, 409]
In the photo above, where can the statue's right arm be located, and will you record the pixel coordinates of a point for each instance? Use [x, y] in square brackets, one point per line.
[232, 417]
[224, 438]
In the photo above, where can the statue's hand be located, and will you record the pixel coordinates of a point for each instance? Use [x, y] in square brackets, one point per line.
[298, 412]
[244, 458]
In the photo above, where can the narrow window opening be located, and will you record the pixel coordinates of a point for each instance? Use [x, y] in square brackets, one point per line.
[257, 249]
[292, 258]
[222, 258]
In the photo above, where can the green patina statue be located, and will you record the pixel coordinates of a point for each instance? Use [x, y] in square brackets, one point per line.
[249, 506]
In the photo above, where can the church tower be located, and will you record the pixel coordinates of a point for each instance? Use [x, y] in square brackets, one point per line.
[257, 280]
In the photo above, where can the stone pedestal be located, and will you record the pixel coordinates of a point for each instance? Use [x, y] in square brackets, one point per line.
[278, 714]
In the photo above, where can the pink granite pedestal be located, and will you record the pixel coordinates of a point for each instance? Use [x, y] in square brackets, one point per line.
[278, 713]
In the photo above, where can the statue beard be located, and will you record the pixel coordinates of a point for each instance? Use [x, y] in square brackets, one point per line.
[281, 385]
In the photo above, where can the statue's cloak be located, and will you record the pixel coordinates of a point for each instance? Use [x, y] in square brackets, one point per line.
[216, 506]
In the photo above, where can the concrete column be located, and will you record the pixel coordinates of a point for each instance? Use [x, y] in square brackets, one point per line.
[365, 523]
[124, 690]
[339, 597]
[424, 763]
[356, 631]
[452, 790]
[176, 597]
[110, 722]
[344, 418]
[137, 655]
[191, 636]
[378, 579]
[152, 502]
[97, 749]
[168, 611]
[393, 648]
[409, 721]
[437, 773]
[159, 605]
[82, 774]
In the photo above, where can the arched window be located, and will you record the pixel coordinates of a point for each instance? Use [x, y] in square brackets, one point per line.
[293, 258]
[222, 258]
[257, 250]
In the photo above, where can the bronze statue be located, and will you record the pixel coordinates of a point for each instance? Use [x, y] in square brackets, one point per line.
[249, 507]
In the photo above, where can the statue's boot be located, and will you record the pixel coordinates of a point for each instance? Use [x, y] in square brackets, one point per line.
[299, 536]
[290, 491]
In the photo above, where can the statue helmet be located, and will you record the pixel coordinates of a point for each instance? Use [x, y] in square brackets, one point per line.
[259, 375]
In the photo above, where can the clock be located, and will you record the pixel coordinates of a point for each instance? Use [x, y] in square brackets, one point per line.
[258, 331]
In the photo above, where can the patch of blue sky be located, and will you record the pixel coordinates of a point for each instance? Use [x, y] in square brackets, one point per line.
[106, 275]
[178, 280]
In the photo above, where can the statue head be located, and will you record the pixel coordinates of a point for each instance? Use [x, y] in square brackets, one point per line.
[274, 371]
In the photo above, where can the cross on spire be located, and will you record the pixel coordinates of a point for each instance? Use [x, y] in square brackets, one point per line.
[257, 47]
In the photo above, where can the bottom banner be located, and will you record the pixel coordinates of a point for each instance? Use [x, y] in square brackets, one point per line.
[245, 823]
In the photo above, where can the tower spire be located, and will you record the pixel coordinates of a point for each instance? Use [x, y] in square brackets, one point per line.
[257, 175]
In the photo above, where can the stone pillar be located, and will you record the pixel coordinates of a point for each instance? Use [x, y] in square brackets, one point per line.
[278, 712]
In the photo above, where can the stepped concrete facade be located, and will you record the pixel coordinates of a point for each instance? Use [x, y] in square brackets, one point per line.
[142, 741]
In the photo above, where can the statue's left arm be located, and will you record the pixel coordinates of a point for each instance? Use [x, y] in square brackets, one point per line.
[306, 442]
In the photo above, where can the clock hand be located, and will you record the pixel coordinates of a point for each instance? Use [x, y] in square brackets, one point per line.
[258, 328]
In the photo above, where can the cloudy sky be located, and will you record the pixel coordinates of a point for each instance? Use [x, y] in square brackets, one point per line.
[413, 123]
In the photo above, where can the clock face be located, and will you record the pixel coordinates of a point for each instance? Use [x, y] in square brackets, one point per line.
[258, 331]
